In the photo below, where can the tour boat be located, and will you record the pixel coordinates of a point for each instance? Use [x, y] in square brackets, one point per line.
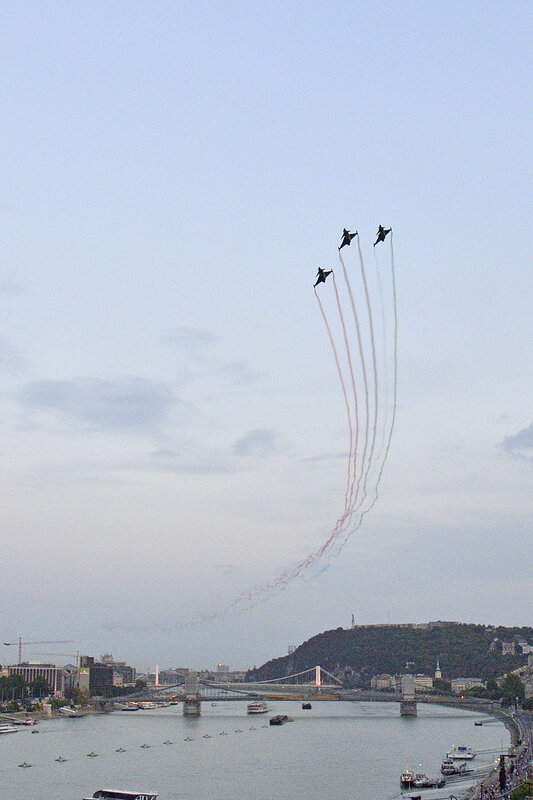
[448, 767]
[257, 707]
[461, 752]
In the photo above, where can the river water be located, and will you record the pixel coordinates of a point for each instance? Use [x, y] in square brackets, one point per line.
[335, 751]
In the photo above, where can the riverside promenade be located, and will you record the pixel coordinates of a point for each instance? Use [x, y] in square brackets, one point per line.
[517, 762]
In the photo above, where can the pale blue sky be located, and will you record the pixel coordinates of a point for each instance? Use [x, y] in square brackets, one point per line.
[173, 174]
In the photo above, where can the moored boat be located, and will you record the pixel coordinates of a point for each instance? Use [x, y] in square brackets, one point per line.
[449, 767]
[419, 780]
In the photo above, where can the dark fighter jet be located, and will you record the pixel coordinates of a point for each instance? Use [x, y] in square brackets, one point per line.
[347, 237]
[382, 232]
[321, 275]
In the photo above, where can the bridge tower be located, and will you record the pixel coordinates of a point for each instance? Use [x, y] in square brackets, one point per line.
[318, 677]
[408, 702]
[191, 704]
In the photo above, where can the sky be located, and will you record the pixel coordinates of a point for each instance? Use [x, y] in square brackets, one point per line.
[172, 426]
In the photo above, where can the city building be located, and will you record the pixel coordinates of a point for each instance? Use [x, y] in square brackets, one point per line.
[508, 648]
[423, 683]
[381, 681]
[438, 673]
[54, 676]
[460, 685]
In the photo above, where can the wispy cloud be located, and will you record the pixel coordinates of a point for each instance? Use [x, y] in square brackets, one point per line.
[520, 445]
[127, 404]
[169, 460]
[190, 340]
[259, 443]
[326, 457]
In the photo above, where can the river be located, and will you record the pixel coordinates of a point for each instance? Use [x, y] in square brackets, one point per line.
[335, 751]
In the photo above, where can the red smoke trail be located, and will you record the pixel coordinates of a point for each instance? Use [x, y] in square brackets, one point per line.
[354, 441]
[394, 402]
[259, 593]
[341, 379]
[362, 359]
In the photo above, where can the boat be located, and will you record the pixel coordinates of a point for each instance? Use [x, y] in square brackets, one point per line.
[461, 752]
[8, 729]
[24, 722]
[419, 780]
[119, 794]
[67, 711]
[478, 723]
[92, 754]
[25, 765]
[279, 719]
[306, 706]
[449, 767]
[61, 759]
[257, 707]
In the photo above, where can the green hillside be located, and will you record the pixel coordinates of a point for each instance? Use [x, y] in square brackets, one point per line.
[463, 650]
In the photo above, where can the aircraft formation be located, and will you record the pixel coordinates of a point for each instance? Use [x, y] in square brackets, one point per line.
[346, 239]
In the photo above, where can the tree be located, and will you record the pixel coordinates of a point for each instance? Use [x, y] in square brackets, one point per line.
[40, 686]
[528, 704]
[512, 687]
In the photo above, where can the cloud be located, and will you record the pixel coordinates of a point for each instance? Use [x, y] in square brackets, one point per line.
[520, 445]
[168, 460]
[190, 340]
[326, 457]
[259, 444]
[127, 404]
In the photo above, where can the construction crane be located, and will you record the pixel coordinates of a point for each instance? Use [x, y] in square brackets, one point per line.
[20, 644]
[75, 655]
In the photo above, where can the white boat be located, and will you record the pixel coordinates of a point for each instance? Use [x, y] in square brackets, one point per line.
[257, 707]
[449, 767]
[461, 752]
[119, 794]
[8, 729]
[66, 711]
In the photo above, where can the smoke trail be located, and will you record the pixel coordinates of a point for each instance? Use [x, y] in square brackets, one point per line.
[364, 373]
[343, 385]
[394, 403]
[352, 460]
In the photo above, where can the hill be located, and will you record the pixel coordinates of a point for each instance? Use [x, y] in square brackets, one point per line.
[355, 654]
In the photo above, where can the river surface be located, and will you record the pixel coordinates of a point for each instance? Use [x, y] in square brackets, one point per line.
[335, 751]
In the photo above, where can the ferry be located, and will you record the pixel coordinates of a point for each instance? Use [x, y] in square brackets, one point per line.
[118, 794]
[8, 729]
[257, 707]
[461, 752]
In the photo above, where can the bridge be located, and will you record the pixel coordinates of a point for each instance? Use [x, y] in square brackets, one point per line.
[315, 683]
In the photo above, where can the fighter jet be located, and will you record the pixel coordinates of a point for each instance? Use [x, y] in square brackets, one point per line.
[347, 237]
[382, 232]
[321, 276]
